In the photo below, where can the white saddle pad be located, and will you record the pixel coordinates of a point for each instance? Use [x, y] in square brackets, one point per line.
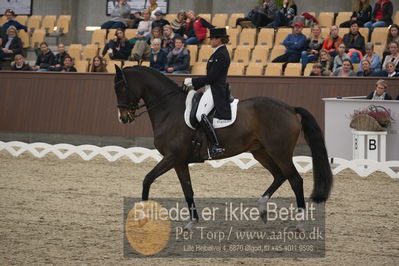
[217, 123]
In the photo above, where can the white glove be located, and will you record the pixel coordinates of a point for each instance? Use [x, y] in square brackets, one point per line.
[188, 82]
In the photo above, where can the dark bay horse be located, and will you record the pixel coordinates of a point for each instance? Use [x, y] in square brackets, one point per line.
[266, 127]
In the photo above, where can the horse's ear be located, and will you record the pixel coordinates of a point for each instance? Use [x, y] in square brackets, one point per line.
[119, 74]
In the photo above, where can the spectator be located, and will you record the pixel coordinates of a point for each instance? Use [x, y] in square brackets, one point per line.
[178, 22]
[195, 31]
[45, 59]
[393, 35]
[136, 17]
[346, 70]
[143, 29]
[168, 42]
[340, 57]
[317, 70]
[354, 43]
[361, 13]
[333, 41]
[157, 55]
[295, 44]
[142, 49]
[380, 92]
[68, 65]
[313, 46]
[11, 44]
[325, 62]
[382, 15]
[261, 15]
[119, 47]
[390, 72]
[393, 57]
[120, 15]
[98, 65]
[59, 58]
[372, 57]
[366, 70]
[153, 8]
[178, 60]
[285, 15]
[156, 33]
[159, 21]
[19, 64]
[10, 16]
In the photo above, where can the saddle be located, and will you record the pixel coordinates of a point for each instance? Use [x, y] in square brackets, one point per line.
[192, 102]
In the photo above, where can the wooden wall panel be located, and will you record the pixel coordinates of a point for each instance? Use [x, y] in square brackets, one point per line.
[84, 103]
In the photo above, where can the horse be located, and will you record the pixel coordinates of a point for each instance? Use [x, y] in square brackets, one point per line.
[265, 127]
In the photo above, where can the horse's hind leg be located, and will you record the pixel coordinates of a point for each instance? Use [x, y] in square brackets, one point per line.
[296, 182]
[183, 173]
[281, 170]
[266, 161]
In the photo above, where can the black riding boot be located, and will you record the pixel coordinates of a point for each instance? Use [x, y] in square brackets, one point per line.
[215, 150]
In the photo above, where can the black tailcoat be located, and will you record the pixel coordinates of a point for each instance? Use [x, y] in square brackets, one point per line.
[216, 74]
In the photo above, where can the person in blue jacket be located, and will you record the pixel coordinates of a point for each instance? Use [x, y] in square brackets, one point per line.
[295, 44]
[10, 15]
[157, 55]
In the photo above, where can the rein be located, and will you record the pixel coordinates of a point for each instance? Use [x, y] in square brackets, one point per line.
[150, 106]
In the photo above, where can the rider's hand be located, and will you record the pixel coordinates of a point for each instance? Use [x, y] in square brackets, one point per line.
[187, 84]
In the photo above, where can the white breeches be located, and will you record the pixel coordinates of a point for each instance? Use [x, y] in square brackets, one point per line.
[206, 103]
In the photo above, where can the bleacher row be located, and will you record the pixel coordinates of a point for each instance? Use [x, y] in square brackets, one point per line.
[251, 50]
[40, 27]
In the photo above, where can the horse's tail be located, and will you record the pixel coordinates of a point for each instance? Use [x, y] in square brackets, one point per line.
[322, 174]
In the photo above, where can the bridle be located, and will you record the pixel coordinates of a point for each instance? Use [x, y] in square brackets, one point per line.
[134, 106]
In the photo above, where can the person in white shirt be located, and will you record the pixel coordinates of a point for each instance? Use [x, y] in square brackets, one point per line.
[380, 92]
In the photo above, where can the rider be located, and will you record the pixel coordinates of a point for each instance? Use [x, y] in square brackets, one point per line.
[216, 89]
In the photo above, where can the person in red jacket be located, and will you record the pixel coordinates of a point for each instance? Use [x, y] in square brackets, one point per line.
[382, 15]
[332, 42]
[194, 32]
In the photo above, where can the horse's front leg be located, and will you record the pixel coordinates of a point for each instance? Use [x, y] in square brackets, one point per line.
[162, 167]
[183, 173]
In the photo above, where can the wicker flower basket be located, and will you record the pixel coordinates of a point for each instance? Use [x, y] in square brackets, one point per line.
[365, 122]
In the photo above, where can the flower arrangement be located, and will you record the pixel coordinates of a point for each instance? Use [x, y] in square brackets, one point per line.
[372, 118]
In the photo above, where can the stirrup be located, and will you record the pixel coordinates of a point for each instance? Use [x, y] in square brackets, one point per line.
[215, 151]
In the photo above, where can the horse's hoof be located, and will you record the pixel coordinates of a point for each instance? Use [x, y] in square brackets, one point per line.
[190, 225]
[263, 215]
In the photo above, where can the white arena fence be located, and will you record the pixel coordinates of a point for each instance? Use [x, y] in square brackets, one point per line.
[303, 164]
